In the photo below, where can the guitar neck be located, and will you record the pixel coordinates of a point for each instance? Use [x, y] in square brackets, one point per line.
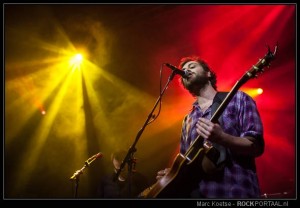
[214, 118]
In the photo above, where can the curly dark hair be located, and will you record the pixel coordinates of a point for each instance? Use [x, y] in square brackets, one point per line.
[213, 78]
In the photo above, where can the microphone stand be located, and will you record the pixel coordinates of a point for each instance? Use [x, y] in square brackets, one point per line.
[75, 176]
[129, 156]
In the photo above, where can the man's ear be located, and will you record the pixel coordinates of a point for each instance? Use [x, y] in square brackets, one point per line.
[209, 74]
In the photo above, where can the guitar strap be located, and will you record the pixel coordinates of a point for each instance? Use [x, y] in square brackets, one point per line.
[218, 99]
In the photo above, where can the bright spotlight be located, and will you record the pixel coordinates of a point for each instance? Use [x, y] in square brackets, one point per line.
[253, 92]
[259, 91]
[76, 60]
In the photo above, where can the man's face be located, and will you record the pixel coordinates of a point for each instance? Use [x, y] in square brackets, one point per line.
[197, 77]
[116, 164]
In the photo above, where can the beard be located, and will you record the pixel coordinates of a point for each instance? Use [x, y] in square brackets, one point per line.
[195, 84]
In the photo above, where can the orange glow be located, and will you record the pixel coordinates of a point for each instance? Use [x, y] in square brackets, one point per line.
[253, 92]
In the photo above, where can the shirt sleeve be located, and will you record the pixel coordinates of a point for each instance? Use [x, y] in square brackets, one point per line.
[250, 120]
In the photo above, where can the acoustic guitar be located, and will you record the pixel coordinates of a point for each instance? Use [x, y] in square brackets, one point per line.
[185, 173]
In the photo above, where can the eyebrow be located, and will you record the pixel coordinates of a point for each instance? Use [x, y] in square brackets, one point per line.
[194, 62]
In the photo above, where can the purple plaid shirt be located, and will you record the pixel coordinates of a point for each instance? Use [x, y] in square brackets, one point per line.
[238, 179]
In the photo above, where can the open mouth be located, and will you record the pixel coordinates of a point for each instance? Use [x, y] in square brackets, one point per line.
[188, 75]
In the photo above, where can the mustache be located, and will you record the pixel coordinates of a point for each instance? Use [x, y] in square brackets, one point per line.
[194, 84]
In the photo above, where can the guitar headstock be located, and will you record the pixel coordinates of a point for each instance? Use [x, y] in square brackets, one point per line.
[262, 63]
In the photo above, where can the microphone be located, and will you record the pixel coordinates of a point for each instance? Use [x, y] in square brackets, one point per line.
[96, 156]
[177, 71]
[86, 164]
[91, 159]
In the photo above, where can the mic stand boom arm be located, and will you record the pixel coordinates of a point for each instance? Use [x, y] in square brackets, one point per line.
[75, 176]
[129, 156]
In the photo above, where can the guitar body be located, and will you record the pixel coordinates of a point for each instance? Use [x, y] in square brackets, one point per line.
[177, 183]
[184, 176]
